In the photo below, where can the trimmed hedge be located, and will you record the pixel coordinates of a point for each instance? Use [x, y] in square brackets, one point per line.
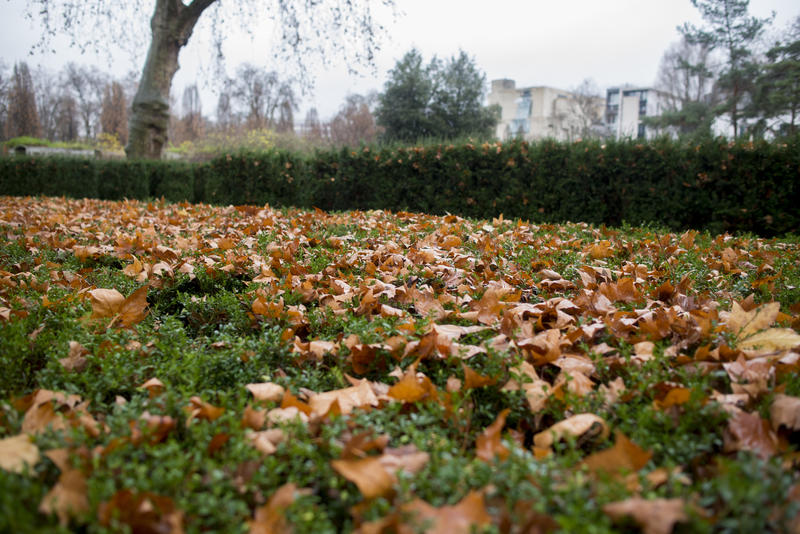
[718, 186]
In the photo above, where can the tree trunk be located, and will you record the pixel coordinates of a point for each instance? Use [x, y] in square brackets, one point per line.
[172, 25]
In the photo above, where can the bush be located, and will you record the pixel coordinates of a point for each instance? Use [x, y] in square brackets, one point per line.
[715, 185]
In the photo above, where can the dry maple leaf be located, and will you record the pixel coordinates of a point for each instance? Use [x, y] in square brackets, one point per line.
[18, 453]
[654, 516]
[109, 303]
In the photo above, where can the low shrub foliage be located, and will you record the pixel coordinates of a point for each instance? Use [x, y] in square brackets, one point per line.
[716, 186]
[176, 367]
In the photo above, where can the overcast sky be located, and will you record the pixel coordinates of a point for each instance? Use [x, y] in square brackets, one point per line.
[535, 42]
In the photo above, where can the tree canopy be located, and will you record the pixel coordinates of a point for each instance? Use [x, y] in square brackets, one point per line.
[443, 99]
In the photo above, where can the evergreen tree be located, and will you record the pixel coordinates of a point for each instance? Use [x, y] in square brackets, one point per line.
[733, 31]
[776, 98]
[442, 100]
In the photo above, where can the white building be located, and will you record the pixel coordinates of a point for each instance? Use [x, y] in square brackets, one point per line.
[637, 103]
[543, 112]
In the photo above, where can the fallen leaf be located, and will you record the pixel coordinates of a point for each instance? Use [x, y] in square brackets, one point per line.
[785, 411]
[271, 518]
[461, 518]
[624, 455]
[749, 432]
[144, 511]
[488, 444]
[76, 360]
[18, 453]
[574, 427]
[266, 391]
[654, 516]
[347, 398]
[366, 473]
[68, 498]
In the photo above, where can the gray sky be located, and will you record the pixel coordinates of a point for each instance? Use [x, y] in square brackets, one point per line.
[535, 42]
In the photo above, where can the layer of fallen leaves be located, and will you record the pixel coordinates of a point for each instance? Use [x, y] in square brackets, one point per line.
[454, 289]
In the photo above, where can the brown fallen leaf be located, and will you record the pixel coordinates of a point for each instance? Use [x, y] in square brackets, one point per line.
[366, 473]
[749, 432]
[68, 498]
[460, 518]
[488, 444]
[623, 456]
[575, 427]
[266, 391]
[141, 512]
[271, 518]
[76, 360]
[109, 303]
[654, 516]
[785, 411]
[348, 399]
[18, 453]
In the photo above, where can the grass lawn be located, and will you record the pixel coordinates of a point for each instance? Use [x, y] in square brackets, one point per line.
[187, 368]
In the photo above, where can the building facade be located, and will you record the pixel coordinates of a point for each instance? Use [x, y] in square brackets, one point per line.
[543, 112]
[627, 107]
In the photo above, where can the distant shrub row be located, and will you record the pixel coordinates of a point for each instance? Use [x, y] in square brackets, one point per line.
[719, 186]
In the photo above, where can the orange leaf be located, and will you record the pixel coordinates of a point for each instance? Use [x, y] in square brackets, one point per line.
[625, 455]
[366, 473]
[412, 388]
[134, 309]
[266, 391]
[474, 380]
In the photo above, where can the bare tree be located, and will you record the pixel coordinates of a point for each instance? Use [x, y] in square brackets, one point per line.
[686, 78]
[86, 86]
[114, 112]
[312, 127]
[262, 95]
[586, 107]
[67, 123]
[354, 123]
[48, 100]
[306, 29]
[23, 118]
[5, 89]
[225, 117]
[190, 125]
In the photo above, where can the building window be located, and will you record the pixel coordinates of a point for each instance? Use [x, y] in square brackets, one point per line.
[641, 133]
